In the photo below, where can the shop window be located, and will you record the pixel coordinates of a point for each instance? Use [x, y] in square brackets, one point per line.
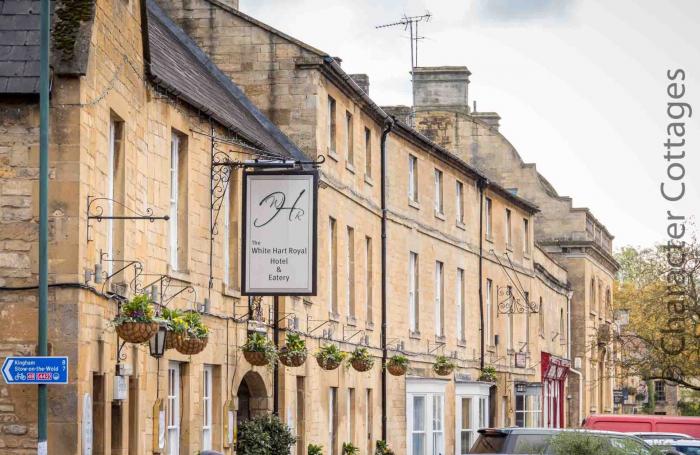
[528, 405]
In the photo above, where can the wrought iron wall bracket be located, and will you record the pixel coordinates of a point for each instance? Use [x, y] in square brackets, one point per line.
[322, 323]
[95, 211]
[437, 345]
[353, 335]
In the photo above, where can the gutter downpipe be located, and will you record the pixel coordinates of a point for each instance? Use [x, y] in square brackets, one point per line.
[481, 183]
[388, 125]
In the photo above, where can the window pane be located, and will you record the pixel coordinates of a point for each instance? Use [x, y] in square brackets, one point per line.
[418, 444]
[466, 413]
[418, 413]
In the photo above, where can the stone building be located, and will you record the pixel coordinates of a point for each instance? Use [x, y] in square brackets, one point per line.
[571, 235]
[142, 100]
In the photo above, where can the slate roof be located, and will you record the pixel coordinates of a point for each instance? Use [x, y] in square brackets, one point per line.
[184, 70]
[19, 46]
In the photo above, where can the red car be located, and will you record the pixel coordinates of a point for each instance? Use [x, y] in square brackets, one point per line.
[638, 423]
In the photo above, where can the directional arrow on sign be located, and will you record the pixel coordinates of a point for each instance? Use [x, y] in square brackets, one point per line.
[6, 370]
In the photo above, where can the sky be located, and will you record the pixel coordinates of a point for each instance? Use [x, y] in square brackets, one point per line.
[580, 85]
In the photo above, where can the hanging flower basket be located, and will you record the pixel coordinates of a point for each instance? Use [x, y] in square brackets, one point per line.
[135, 322]
[136, 332]
[292, 358]
[329, 357]
[255, 358]
[259, 351]
[327, 364]
[488, 374]
[443, 366]
[397, 365]
[175, 323]
[188, 344]
[293, 353]
[361, 360]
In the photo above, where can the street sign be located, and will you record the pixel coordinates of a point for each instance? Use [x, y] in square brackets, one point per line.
[35, 370]
[618, 396]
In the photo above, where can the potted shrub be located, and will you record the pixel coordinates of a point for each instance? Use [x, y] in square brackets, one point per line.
[361, 360]
[382, 448]
[488, 374]
[135, 322]
[329, 357]
[293, 353]
[173, 321]
[397, 365]
[264, 435]
[443, 365]
[191, 335]
[350, 449]
[258, 350]
[314, 449]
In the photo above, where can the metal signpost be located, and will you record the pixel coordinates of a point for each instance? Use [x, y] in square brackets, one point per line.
[35, 370]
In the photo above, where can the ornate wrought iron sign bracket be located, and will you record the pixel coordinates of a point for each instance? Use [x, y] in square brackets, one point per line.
[95, 211]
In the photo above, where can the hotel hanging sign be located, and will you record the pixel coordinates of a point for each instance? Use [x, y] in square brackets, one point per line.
[279, 233]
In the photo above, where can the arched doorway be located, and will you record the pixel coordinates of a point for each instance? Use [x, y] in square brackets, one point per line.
[252, 397]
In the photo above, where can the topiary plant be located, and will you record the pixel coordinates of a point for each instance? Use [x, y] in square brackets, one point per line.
[349, 449]
[264, 435]
[314, 449]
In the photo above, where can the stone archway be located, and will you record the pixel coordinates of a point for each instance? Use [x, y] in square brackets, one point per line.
[252, 397]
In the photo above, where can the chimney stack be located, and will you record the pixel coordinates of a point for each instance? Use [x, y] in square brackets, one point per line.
[441, 86]
[492, 119]
[362, 80]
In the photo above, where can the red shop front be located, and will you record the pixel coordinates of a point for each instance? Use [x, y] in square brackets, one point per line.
[554, 372]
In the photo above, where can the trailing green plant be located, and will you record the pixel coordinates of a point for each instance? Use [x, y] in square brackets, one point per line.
[350, 449]
[195, 326]
[382, 448]
[314, 449]
[443, 365]
[138, 309]
[361, 354]
[295, 343]
[399, 360]
[169, 317]
[264, 435]
[329, 354]
[257, 342]
[294, 352]
[488, 374]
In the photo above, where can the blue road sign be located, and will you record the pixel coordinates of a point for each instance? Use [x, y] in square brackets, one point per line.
[35, 370]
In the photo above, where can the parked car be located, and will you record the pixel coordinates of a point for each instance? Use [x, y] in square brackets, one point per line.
[649, 436]
[536, 441]
[680, 446]
[644, 423]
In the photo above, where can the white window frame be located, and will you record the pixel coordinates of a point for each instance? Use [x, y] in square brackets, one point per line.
[439, 307]
[459, 299]
[110, 193]
[478, 393]
[174, 401]
[369, 316]
[433, 393]
[439, 208]
[207, 401]
[459, 201]
[413, 291]
[488, 310]
[332, 266]
[174, 190]
[412, 178]
[350, 271]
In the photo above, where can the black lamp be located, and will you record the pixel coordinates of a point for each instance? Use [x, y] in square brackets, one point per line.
[156, 344]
